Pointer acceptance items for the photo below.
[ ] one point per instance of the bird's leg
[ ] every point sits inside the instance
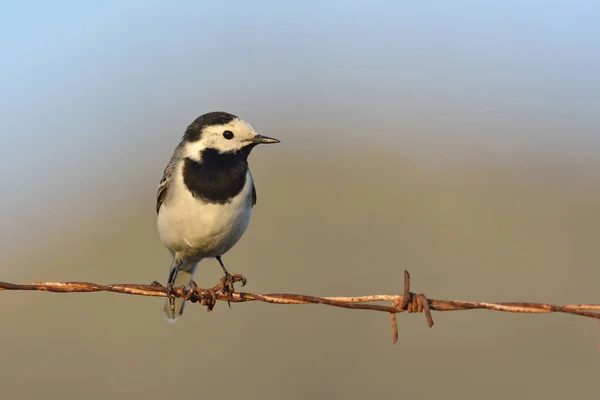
(227, 280)
(171, 281)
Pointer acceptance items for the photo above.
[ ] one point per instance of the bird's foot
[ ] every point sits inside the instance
(171, 298)
(240, 278)
(227, 283)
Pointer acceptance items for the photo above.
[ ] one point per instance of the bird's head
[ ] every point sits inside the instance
(223, 132)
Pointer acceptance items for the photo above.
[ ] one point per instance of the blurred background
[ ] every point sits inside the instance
(458, 140)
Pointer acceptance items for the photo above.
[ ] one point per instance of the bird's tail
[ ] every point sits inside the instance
(183, 277)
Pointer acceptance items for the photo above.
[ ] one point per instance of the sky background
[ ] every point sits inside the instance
(459, 138)
(92, 83)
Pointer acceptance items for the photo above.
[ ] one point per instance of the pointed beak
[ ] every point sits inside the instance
(259, 139)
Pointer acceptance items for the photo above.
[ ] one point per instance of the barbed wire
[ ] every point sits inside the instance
(408, 301)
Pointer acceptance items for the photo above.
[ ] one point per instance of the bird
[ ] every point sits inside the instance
(205, 197)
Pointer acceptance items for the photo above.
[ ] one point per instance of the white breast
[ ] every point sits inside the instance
(197, 229)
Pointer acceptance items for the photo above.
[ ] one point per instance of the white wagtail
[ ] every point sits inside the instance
(206, 195)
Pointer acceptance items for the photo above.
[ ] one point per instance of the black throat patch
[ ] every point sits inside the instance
(218, 178)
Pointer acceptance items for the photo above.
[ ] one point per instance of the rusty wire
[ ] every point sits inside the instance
(408, 301)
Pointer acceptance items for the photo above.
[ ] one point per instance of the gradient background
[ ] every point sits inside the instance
(459, 140)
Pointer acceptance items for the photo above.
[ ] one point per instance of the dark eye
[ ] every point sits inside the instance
(228, 135)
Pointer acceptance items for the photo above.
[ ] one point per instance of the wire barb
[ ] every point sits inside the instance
(411, 303)
(408, 301)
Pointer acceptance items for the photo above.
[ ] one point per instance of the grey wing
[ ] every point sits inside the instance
(163, 187)
(253, 194)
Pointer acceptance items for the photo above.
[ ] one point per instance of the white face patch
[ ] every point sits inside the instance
(213, 138)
